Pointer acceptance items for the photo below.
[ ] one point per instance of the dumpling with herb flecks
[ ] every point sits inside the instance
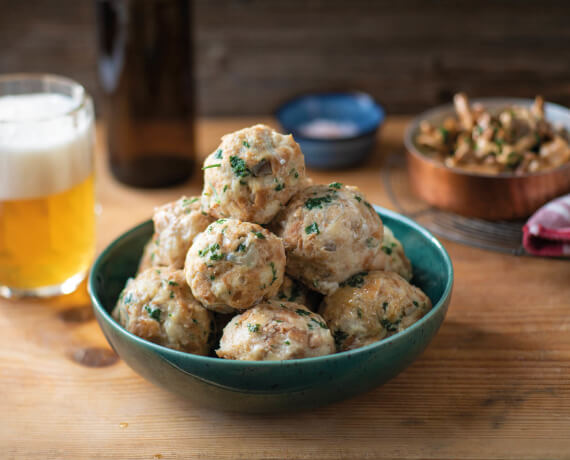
(158, 306)
(330, 232)
(276, 331)
(370, 306)
(234, 265)
(252, 174)
(176, 224)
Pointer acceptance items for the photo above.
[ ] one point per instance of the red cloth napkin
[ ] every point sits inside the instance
(547, 232)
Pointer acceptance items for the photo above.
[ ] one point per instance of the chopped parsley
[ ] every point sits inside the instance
(218, 154)
(279, 187)
(240, 248)
(355, 280)
(415, 303)
(358, 198)
(444, 134)
(212, 250)
(295, 292)
(246, 144)
(215, 165)
(371, 242)
(302, 312)
(172, 283)
(389, 325)
(320, 323)
(215, 193)
(339, 337)
(260, 235)
(384, 306)
(187, 202)
(172, 294)
(318, 202)
(128, 298)
(335, 185)
(253, 327)
(212, 277)
(221, 221)
(294, 173)
(273, 272)
(154, 313)
(387, 250)
(313, 228)
(225, 188)
(239, 167)
(287, 342)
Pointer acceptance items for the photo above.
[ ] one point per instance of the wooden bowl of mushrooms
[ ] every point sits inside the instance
(494, 159)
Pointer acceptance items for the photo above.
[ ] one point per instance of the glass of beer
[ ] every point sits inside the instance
(47, 215)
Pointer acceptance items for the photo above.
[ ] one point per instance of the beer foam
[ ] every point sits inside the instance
(44, 149)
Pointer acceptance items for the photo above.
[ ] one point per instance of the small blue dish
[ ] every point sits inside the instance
(334, 130)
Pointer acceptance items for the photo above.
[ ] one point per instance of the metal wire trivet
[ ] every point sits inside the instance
(500, 236)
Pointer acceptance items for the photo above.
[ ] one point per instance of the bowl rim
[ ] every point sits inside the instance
(171, 353)
(412, 149)
(323, 94)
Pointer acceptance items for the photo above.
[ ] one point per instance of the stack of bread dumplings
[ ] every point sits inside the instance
(265, 265)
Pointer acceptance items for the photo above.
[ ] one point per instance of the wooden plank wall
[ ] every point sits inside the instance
(253, 54)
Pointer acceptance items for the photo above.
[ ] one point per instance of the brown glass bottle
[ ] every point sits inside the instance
(145, 67)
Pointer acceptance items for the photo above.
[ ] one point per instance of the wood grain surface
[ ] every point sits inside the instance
(253, 54)
(494, 383)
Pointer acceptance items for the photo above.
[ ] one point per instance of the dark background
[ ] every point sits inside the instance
(254, 54)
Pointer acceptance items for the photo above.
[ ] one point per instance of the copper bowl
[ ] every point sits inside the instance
(486, 196)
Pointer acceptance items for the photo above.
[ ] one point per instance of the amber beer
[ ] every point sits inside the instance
(47, 228)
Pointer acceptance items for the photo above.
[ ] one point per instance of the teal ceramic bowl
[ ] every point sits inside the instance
(273, 386)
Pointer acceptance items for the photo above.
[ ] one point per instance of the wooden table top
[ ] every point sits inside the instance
(494, 383)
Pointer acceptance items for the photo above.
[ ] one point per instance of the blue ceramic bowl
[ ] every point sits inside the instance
(273, 386)
(357, 109)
